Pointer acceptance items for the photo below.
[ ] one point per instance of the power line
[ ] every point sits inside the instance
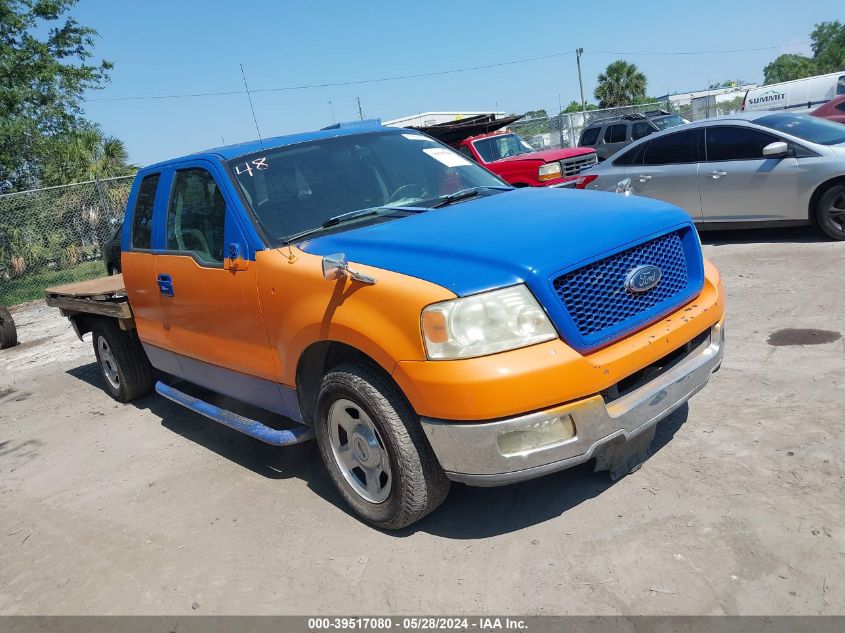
(335, 84)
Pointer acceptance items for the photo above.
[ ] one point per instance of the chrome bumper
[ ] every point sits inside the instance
(470, 453)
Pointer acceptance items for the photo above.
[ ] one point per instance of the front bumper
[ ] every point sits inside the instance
(470, 452)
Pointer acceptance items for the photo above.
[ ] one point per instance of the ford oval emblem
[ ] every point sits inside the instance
(643, 278)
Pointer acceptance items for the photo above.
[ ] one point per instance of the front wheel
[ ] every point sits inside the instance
(830, 212)
(375, 450)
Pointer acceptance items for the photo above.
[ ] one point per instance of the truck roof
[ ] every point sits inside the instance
(227, 152)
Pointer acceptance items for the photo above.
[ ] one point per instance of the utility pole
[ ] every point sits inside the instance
(360, 111)
(578, 53)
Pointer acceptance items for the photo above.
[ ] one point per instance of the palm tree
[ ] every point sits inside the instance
(621, 84)
(85, 154)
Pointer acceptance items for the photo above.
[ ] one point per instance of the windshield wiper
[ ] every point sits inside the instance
(464, 194)
(350, 216)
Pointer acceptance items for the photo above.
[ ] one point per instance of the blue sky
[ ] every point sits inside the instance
(188, 46)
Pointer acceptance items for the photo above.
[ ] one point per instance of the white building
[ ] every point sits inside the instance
(433, 118)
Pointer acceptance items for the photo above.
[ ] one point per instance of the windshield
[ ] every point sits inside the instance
(295, 189)
(805, 127)
(665, 122)
(501, 146)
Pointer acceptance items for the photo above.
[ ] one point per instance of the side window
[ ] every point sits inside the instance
(736, 143)
(590, 136)
(142, 216)
(840, 86)
(841, 106)
(640, 130)
(674, 148)
(615, 133)
(631, 157)
(196, 215)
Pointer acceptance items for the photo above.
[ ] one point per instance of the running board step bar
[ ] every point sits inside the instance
(250, 427)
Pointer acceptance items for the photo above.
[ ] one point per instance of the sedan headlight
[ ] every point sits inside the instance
(549, 171)
(483, 324)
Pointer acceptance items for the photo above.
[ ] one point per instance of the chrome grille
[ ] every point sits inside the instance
(575, 165)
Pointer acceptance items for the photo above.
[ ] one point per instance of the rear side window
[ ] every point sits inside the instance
(736, 143)
(674, 148)
(142, 216)
(841, 106)
(631, 157)
(840, 86)
(615, 133)
(590, 136)
(641, 129)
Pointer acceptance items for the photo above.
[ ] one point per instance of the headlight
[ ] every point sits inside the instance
(484, 324)
(549, 171)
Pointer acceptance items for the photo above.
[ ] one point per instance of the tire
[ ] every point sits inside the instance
(124, 366)
(8, 331)
(830, 212)
(414, 485)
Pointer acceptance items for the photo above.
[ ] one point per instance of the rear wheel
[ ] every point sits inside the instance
(830, 212)
(375, 450)
(8, 331)
(124, 365)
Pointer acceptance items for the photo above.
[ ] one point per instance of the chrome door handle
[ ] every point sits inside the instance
(644, 178)
(719, 173)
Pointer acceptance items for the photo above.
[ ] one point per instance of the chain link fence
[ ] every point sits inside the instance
(56, 235)
(564, 130)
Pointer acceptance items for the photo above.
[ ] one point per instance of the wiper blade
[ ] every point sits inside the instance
(464, 194)
(349, 216)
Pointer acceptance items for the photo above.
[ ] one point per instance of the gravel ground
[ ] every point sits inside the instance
(147, 508)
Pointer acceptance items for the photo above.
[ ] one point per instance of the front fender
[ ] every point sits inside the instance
(300, 308)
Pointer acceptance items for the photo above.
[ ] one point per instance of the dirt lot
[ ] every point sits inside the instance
(147, 508)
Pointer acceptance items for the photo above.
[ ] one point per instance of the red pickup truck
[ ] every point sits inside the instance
(507, 155)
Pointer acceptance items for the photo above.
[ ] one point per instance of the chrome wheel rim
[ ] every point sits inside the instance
(836, 212)
(359, 451)
(108, 363)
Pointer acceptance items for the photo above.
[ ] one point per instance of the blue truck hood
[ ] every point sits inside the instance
(525, 235)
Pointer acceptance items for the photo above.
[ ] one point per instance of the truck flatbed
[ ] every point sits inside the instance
(104, 296)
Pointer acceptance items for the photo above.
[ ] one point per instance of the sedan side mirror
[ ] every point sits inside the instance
(778, 149)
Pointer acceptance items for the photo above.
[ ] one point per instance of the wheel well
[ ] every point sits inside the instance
(317, 360)
(819, 192)
(520, 185)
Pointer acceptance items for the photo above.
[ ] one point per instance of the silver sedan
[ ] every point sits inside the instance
(749, 169)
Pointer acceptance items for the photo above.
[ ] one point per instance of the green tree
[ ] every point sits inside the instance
(828, 43)
(536, 114)
(84, 154)
(44, 57)
(789, 66)
(575, 106)
(620, 84)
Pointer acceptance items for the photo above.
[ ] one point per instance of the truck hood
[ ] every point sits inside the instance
(548, 155)
(524, 235)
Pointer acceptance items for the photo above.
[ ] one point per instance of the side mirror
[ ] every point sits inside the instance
(335, 266)
(624, 187)
(778, 149)
(236, 259)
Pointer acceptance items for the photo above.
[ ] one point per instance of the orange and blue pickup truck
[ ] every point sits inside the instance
(425, 321)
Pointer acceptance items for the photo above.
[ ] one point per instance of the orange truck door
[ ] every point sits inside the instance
(208, 289)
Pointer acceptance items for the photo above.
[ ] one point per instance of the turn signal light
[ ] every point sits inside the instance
(583, 181)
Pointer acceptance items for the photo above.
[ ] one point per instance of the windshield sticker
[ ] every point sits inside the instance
(416, 137)
(258, 164)
(447, 157)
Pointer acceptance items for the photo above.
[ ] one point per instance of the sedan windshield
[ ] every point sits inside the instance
(805, 127)
(501, 146)
(321, 185)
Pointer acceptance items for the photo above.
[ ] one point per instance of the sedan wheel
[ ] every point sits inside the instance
(830, 212)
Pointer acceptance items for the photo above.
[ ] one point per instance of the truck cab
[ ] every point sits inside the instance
(509, 156)
(379, 291)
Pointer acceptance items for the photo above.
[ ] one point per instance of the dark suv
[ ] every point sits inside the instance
(610, 135)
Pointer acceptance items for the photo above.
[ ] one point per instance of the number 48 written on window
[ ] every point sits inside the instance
(258, 164)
